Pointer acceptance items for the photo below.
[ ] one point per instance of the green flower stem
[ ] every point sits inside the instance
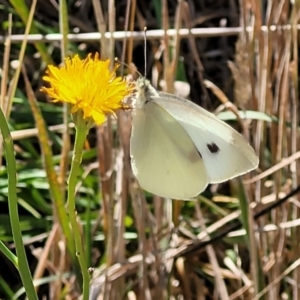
(22, 263)
(81, 133)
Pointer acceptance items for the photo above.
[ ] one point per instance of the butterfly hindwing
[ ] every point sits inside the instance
(164, 158)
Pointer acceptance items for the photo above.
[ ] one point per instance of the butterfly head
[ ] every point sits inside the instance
(145, 91)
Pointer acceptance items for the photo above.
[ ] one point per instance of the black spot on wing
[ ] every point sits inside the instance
(213, 148)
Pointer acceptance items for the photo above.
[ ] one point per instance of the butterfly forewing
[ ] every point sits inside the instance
(226, 154)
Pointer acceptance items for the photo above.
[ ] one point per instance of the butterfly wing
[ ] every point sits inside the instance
(163, 157)
(226, 154)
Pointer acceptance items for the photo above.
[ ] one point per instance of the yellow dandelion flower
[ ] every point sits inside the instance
(88, 85)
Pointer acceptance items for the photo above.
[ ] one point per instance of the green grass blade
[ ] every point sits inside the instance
(23, 266)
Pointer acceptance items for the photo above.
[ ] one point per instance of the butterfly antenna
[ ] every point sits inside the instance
(145, 49)
(130, 67)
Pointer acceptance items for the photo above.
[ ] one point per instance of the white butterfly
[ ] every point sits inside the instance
(177, 148)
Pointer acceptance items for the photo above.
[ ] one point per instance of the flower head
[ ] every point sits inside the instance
(88, 85)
